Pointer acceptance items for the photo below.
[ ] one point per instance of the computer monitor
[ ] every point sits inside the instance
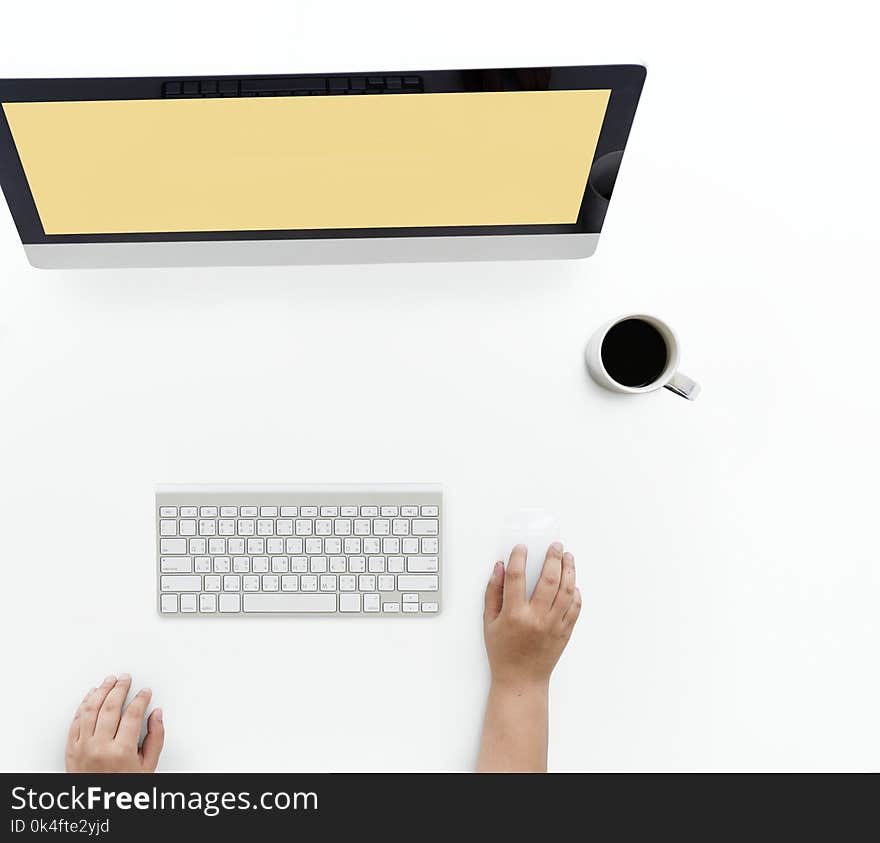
(324, 168)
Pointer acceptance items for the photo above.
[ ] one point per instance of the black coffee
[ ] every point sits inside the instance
(634, 353)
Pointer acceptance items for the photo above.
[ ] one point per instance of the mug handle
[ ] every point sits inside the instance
(682, 385)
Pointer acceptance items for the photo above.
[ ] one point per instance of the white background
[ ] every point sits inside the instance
(727, 549)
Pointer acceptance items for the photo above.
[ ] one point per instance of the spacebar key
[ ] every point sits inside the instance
(289, 603)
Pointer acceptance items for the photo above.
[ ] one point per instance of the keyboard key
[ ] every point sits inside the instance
(429, 607)
(198, 546)
(216, 546)
(327, 582)
(232, 582)
(430, 545)
(329, 511)
(260, 564)
(318, 564)
(207, 602)
(409, 545)
(188, 602)
(348, 511)
(389, 511)
(268, 512)
(189, 512)
(250, 583)
(289, 511)
(246, 526)
(395, 565)
(314, 546)
(289, 603)
(422, 564)
(381, 527)
(167, 528)
(176, 565)
(168, 511)
(171, 583)
(293, 546)
(299, 564)
(409, 511)
(241, 564)
(265, 527)
(256, 545)
(400, 527)
(308, 511)
(303, 527)
(279, 564)
(187, 527)
(221, 565)
(202, 564)
(212, 582)
(337, 564)
(371, 546)
(229, 512)
(361, 527)
(168, 603)
(284, 527)
(411, 607)
(406, 582)
(347, 582)
(391, 607)
(290, 582)
(230, 603)
(323, 527)
(274, 546)
(410, 598)
(333, 545)
(270, 582)
(235, 546)
(172, 546)
(207, 528)
(342, 526)
(349, 602)
(369, 511)
(357, 564)
(351, 546)
(366, 582)
(371, 602)
(391, 545)
(208, 511)
(249, 512)
(386, 582)
(308, 583)
(226, 527)
(430, 511)
(376, 564)
(425, 526)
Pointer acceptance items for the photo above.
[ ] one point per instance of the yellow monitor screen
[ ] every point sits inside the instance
(276, 163)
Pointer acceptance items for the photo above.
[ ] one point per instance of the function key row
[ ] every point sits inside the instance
(297, 511)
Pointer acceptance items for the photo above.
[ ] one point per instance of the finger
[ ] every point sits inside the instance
(566, 587)
(91, 705)
(494, 593)
(551, 574)
(515, 578)
(130, 724)
(573, 611)
(73, 731)
(153, 742)
(108, 717)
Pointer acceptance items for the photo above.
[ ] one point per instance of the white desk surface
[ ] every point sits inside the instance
(727, 549)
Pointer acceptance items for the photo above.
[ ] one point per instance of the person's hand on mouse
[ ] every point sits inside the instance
(525, 636)
(103, 736)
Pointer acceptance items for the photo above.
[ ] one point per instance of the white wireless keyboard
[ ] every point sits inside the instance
(298, 550)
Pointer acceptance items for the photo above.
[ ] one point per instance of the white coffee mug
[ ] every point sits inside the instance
(670, 377)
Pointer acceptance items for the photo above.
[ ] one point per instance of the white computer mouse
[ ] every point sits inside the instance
(537, 529)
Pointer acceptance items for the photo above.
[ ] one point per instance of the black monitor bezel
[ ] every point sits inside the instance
(624, 81)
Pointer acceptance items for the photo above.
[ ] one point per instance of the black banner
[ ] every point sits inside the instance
(398, 806)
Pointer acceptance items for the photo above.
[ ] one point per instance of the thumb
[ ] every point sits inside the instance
(494, 593)
(152, 745)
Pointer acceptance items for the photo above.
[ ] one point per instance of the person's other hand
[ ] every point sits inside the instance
(103, 738)
(526, 636)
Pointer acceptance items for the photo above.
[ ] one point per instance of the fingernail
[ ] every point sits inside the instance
(124, 677)
(109, 679)
(145, 691)
(497, 570)
(557, 546)
(159, 714)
